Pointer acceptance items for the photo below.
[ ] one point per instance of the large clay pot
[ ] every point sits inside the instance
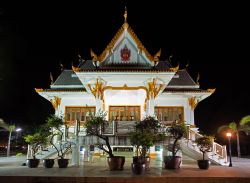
(143, 160)
(63, 163)
(203, 164)
(138, 168)
(172, 162)
(33, 163)
(116, 162)
(48, 163)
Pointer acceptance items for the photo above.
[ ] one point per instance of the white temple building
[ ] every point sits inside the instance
(129, 83)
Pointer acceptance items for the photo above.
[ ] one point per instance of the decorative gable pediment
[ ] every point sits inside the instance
(125, 49)
(126, 52)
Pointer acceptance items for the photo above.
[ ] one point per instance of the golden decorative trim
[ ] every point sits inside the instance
(62, 90)
(76, 69)
(51, 78)
(193, 102)
(119, 33)
(211, 90)
(197, 79)
(153, 90)
(93, 55)
(185, 91)
(125, 15)
(103, 104)
(111, 44)
(55, 102)
(157, 55)
(145, 104)
(97, 91)
(174, 69)
(139, 44)
(39, 90)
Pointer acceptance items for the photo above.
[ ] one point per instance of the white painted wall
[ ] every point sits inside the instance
(78, 100)
(125, 97)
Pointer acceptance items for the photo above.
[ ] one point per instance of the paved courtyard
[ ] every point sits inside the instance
(97, 171)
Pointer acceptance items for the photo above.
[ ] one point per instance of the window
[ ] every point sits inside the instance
(124, 113)
(169, 114)
(77, 113)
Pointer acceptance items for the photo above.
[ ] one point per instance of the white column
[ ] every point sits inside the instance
(75, 153)
(64, 132)
(151, 107)
(98, 107)
(191, 117)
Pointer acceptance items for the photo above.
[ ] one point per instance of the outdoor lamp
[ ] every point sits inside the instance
(228, 134)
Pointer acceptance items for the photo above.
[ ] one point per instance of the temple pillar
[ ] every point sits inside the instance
(98, 106)
(193, 102)
(75, 148)
(75, 153)
(151, 107)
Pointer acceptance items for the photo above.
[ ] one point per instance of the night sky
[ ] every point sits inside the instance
(213, 38)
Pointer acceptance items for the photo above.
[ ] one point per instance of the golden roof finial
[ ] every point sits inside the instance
(125, 15)
(125, 25)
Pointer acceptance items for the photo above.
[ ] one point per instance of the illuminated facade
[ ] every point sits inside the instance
(129, 83)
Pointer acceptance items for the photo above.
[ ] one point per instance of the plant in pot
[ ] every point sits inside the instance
(45, 130)
(146, 134)
(54, 123)
(175, 132)
(35, 141)
(205, 145)
(94, 126)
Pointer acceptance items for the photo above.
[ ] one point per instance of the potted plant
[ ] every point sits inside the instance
(54, 123)
(205, 145)
(45, 130)
(35, 141)
(94, 126)
(175, 132)
(146, 134)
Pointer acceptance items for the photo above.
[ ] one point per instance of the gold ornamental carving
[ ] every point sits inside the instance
(211, 90)
(76, 69)
(39, 90)
(97, 90)
(55, 102)
(157, 55)
(153, 89)
(193, 102)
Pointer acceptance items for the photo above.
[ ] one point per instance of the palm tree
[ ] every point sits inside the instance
(9, 128)
(242, 126)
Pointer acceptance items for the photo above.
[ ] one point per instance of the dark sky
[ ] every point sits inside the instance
(212, 37)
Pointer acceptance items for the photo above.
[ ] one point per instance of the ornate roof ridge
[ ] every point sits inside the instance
(110, 46)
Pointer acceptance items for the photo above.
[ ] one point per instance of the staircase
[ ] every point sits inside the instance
(218, 155)
(49, 151)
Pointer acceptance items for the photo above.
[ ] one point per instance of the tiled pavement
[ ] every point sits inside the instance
(97, 171)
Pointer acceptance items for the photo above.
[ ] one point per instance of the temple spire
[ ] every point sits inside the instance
(125, 15)
(125, 25)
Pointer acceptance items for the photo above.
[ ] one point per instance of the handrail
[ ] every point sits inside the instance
(217, 149)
